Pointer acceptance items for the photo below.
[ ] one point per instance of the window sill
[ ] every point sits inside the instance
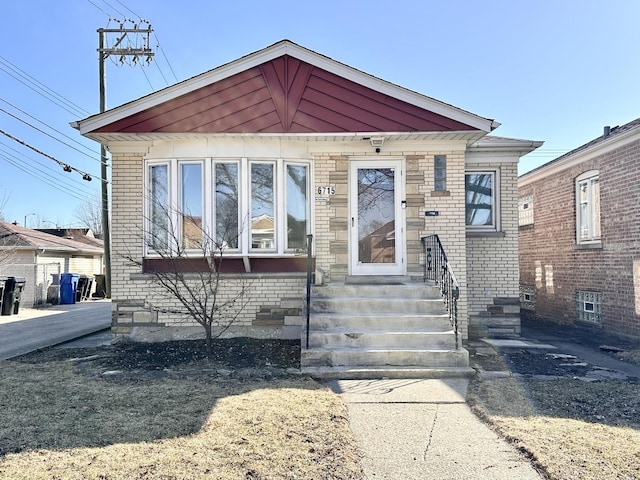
(440, 193)
(474, 234)
(588, 246)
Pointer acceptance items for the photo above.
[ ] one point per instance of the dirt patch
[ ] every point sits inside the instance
(227, 357)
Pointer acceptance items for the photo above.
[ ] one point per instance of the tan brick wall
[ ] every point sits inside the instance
(480, 264)
(449, 224)
(492, 261)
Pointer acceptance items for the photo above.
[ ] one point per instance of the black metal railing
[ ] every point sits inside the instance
(436, 268)
(309, 278)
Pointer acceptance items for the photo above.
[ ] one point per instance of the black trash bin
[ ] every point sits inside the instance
(11, 296)
(83, 280)
(101, 286)
(3, 281)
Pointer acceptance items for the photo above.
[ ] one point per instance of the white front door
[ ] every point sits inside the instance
(376, 217)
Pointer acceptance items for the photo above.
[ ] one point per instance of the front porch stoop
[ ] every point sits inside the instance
(382, 328)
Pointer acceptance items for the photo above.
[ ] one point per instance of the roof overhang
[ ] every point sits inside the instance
(571, 160)
(277, 50)
(503, 146)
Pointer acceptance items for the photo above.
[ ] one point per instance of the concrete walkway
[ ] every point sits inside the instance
(423, 429)
(32, 329)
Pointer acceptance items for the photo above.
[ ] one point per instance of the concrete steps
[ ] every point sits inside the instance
(378, 327)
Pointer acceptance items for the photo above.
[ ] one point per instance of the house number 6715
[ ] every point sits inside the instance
(327, 190)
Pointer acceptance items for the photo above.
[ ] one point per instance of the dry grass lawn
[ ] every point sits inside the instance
(571, 429)
(56, 423)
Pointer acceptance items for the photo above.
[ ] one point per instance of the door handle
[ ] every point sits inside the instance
(353, 222)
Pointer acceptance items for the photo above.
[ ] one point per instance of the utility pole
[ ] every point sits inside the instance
(104, 52)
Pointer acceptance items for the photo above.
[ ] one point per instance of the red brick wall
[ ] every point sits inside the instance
(550, 242)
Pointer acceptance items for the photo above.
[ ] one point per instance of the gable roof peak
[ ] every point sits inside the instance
(271, 55)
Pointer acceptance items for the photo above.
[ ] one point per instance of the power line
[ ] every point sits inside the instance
(158, 47)
(45, 169)
(98, 8)
(48, 134)
(65, 166)
(36, 85)
(69, 191)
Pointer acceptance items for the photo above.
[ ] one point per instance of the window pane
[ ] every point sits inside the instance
(296, 206)
(191, 207)
(479, 199)
(262, 206)
(440, 172)
(159, 207)
(227, 195)
(595, 208)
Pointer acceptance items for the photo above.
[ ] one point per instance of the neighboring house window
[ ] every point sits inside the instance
(589, 306)
(440, 173)
(253, 206)
(525, 210)
(481, 201)
(588, 207)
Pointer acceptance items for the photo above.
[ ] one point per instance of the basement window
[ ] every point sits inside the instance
(589, 307)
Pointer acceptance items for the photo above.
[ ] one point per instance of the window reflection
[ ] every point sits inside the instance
(262, 206)
(227, 231)
(479, 199)
(376, 215)
(159, 211)
(296, 206)
(191, 208)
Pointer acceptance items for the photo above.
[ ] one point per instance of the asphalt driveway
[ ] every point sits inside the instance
(32, 329)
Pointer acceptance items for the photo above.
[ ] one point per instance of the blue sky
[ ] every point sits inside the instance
(556, 71)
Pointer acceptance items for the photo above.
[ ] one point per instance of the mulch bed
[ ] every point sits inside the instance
(233, 353)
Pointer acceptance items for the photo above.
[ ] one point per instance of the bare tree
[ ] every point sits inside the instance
(186, 269)
(4, 199)
(89, 215)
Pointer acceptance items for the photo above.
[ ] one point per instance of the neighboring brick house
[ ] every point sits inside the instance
(321, 133)
(580, 234)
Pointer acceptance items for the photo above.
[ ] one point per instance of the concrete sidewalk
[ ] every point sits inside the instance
(423, 429)
(32, 329)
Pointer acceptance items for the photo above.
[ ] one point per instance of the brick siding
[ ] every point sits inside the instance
(550, 260)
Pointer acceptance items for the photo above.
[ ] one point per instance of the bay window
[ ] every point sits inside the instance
(243, 206)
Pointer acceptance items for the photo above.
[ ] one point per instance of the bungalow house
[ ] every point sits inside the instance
(286, 143)
(41, 257)
(580, 234)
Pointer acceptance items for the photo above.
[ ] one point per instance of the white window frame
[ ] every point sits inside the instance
(593, 234)
(180, 208)
(244, 203)
(495, 213)
(147, 213)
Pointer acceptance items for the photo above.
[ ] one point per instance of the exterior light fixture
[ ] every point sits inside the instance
(377, 142)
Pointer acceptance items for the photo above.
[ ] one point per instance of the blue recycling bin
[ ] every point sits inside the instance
(68, 288)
